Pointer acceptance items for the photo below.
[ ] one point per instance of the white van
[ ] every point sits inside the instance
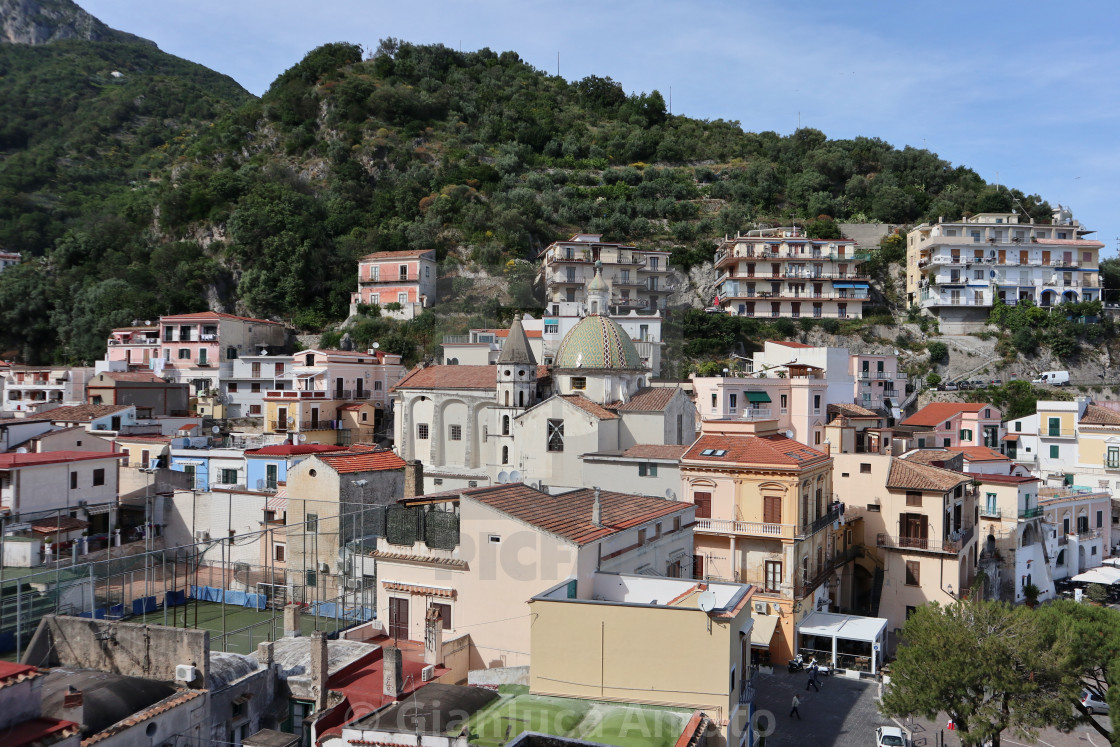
(1053, 378)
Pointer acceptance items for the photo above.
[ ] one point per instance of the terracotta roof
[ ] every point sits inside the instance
(11, 673)
(132, 376)
(936, 413)
(359, 459)
(354, 405)
(773, 450)
(850, 410)
(589, 407)
(649, 399)
(430, 591)
(83, 413)
(212, 316)
(568, 515)
(60, 524)
(11, 461)
(41, 730)
(400, 255)
(294, 449)
(984, 477)
(656, 451)
(1010, 437)
(145, 438)
(161, 707)
(929, 456)
(906, 474)
(979, 454)
(426, 559)
(449, 377)
(1098, 415)
(789, 344)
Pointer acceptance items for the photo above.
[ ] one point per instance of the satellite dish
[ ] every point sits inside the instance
(670, 494)
(376, 345)
(503, 477)
(302, 437)
(291, 420)
(515, 476)
(21, 450)
(215, 430)
(706, 601)
(264, 353)
(789, 433)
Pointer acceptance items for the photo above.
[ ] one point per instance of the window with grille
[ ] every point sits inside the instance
(455, 432)
(555, 435)
(579, 382)
(422, 431)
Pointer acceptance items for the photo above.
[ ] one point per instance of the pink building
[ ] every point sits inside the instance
(397, 279)
(198, 348)
(135, 347)
(957, 424)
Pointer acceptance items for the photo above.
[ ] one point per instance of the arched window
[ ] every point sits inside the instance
(507, 398)
(521, 399)
(505, 455)
(505, 425)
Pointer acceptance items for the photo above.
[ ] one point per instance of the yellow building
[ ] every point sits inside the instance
(766, 515)
(701, 633)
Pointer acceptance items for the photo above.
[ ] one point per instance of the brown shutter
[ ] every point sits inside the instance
(703, 503)
(771, 509)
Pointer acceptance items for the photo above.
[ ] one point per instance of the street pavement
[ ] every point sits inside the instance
(845, 712)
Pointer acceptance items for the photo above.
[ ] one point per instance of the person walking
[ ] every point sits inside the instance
(793, 711)
(814, 678)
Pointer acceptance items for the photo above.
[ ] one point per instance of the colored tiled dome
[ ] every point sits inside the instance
(598, 342)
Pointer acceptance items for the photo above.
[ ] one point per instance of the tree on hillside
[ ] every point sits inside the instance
(983, 664)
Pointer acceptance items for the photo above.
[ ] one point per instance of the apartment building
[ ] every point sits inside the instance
(636, 279)
(764, 512)
(251, 378)
(402, 284)
(130, 348)
(36, 389)
(780, 272)
(198, 349)
(9, 259)
(1069, 443)
(955, 270)
(1013, 538)
(150, 394)
(33, 486)
(946, 424)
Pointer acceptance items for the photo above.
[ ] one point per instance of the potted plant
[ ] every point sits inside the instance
(1030, 592)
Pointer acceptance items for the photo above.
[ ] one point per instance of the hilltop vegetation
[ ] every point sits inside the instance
(266, 210)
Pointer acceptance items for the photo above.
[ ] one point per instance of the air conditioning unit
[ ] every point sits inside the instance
(427, 673)
(324, 568)
(761, 607)
(201, 536)
(82, 503)
(186, 673)
(354, 584)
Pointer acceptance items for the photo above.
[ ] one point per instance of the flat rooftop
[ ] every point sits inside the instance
(654, 591)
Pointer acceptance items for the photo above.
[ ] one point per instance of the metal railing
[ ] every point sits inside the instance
(991, 512)
(806, 585)
(1030, 513)
(903, 542)
(808, 530)
(755, 413)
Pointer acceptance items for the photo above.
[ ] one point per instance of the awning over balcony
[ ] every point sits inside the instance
(1010, 437)
(763, 630)
(866, 632)
(845, 284)
(753, 397)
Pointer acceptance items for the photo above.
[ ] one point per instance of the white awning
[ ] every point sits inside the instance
(763, 630)
(846, 627)
(1106, 575)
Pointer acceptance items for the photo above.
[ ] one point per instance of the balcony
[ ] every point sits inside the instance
(745, 528)
(756, 413)
(1111, 463)
(1030, 513)
(951, 546)
(808, 530)
(296, 394)
(991, 512)
(803, 588)
(278, 426)
(208, 337)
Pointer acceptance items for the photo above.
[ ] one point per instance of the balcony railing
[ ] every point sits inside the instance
(756, 413)
(805, 587)
(296, 394)
(991, 512)
(951, 546)
(1111, 463)
(808, 530)
(1030, 513)
(745, 528)
(279, 426)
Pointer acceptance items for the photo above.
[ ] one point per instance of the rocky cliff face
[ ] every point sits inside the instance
(45, 21)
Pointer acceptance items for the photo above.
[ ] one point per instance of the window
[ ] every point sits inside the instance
(422, 431)
(733, 401)
(254, 409)
(311, 579)
(552, 328)
(966, 434)
(255, 387)
(641, 537)
(229, 477)
(427, 271)
(579, 382)
(184, 354)
(505, 455)
(1054, 451)
(73, 480)
(647, 470)
(772, 509)
(1054, 426)
(312, 523)
(278, 553)
(864, 468)
(1100, 519)
(913, 573)
(946, 442)
(455, 432)
(99, 476)
(816, 404)
(555, 435)
(402, 298)
(232, 387)
(703, 503)
(505, 425)
(444, 613)
(278, 370)
(773, 575)
(987, 413)
(913, 498)
(1018, 427)
(403, 270)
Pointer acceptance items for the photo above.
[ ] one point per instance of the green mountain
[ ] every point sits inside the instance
(139, 199)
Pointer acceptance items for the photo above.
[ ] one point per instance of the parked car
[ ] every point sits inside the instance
(890, 736)
(996, 382)
(949, 387)
(1092, 705)
(977, 384)
(1053, 378)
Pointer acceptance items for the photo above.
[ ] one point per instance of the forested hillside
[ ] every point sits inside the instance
(135, 206)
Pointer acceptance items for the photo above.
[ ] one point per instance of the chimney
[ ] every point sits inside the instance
(266, 654)
(433, 636)
(394, 683)
(597, 509)
(827, 447)
(291, 621)
(413, 479)
(72, 708)
(319, 670)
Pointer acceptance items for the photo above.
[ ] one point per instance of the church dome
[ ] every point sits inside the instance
(597, 342)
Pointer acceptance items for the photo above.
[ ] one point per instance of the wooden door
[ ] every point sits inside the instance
(1045, 258)
(398, 618)
(1023, 255)
(698, 567)
(1003, 256)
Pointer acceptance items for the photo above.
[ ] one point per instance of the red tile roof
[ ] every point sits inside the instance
(143, 438)
(531, 333)
(979, 454)
(936, 413)
(983, 477)
(400, 255)
(53, 524)
(132, 376)
(773, 450)
(12, 461)
(210, 316)
(162, 706)
(649, 399)
(11, 673)
(656, 451)
(906, 474)
(589, 407)
(293, 449)
(41, 730)
(449, 377)
(82, 413)
(568, 515)
(849, 410)
(1098, 415)
(363, 459)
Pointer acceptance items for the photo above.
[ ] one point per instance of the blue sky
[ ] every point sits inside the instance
(1023, 92)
